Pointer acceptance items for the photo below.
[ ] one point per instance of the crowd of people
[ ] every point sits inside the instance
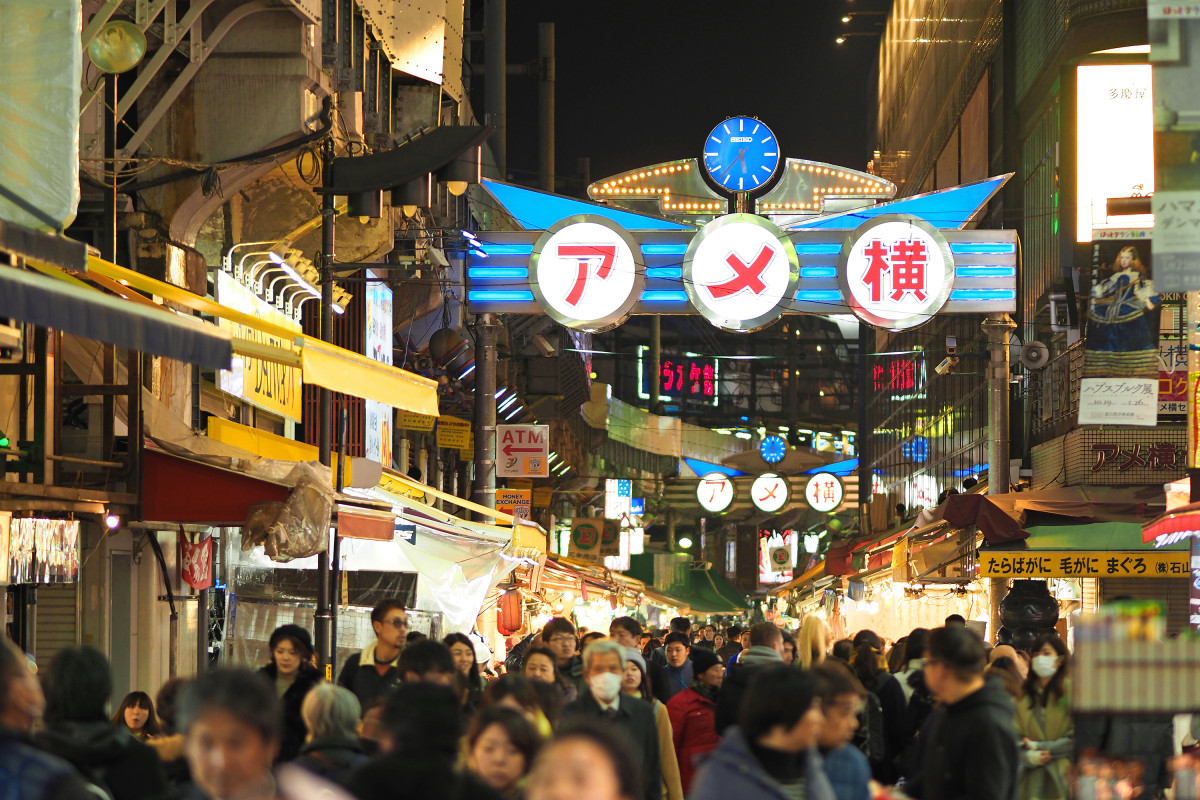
(623, 714)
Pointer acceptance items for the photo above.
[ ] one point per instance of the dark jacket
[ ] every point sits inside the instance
(636, 718)
(294, 730)
(894, 705)
(108, 756)
(27, 773)
(971, 752)
(729, 651)
(693, 724)
(666, 681)
(731, 772)
(729, 705)
(1148, 739)
(360, 676)
(848, 772)
(416, 776)
(332, 758)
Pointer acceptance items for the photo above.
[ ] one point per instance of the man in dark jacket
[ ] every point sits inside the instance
(771, 754)
(79, 730)
(972, 749)
(375, 670)
(603, 666)
(677, 674)
(765, 649)
(658, 658)
(25, 771)
(423, 724)
(733, 644)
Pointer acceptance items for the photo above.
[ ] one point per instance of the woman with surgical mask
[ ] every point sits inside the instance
(1044, 722)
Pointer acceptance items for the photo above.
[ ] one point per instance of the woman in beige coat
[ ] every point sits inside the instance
(1044, 723)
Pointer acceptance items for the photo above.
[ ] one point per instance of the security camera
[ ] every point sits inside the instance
(544, 347)
(948, 363)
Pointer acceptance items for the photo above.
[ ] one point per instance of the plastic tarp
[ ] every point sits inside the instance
(41, 62)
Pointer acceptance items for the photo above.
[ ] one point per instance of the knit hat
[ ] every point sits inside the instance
(631, 654)
(703, 659)
(297, 634)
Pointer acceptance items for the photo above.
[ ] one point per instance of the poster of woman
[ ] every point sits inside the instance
(1122, 318)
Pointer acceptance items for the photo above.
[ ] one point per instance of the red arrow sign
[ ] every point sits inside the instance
(508, 450)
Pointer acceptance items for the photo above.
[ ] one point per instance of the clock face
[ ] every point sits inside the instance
(741, 155)
(772, 449)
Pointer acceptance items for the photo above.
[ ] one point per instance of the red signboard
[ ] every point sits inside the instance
(197, 563)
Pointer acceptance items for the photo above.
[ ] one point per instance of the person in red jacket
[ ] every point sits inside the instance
(693, 713)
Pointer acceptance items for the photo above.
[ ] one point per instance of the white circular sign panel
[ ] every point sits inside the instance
(587, 273)
(824, 492)
(769, 492)
(896, 271)
(715, 492)
(740, 272)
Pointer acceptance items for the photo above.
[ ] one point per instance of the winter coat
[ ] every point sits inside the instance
(672, 784)
(415, 776)
(731, 772)
(694, 729)
(729, 704)
(1056, 734)
(27, 773)
(636, 718)
(971, 752)
(294, 731)
(106, 755)
(360, 676)
(911, 667)
(1147, 738)
(332, 758)
(920, 705)
(666, 681)
(849, 772)
(895, 725)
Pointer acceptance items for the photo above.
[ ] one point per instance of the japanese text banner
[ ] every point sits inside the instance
(1075, 564)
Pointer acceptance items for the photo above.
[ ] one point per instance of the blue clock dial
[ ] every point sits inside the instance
(772, 449)
(741, 155)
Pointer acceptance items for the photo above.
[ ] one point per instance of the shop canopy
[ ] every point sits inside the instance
(706, 592)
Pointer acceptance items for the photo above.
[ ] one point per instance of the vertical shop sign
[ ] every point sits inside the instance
(1121, 355)
(197, 562)
(378, 341)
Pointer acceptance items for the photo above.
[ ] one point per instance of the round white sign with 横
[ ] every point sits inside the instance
(740, 272)
(896, 271)
(824, 492)
(769, 492)
(587, 273)
(715, 492)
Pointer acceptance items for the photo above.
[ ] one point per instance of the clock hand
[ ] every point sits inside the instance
(742, 156)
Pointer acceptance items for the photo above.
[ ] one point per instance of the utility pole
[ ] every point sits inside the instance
(495, 79)
(866, 336)
(323, 618)
(655, 361)
(999, 328)
(487, 328)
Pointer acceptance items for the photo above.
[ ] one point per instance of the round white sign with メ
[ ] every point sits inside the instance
(769, 492)
(715, 492)
(587, 273)
(741, 272)
(896, 271)
(824, 492)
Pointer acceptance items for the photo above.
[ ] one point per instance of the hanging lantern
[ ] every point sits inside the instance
(510, 612)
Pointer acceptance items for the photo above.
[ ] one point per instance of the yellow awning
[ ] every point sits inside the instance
(808, 577)
(323, 364)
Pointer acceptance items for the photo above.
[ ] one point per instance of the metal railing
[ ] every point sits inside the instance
(1054, 395)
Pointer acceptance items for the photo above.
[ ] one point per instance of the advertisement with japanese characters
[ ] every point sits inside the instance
(776, 555)
(378, 342)
(1121, 355)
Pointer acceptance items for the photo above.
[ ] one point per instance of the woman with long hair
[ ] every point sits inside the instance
(1122, 337)
(1045, 723)
(136, 714)
(811, 644)
(636, 682)
(292, 672)
(462, 650)
(870, 668)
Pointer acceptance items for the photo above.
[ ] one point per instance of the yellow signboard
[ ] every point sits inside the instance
(408, 421)
(542, 496)
(1074, 564)
(273, 387)
(515, 502)
(453, 432)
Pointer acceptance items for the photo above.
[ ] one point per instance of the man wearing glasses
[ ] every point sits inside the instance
(559, 635)
(375, 670)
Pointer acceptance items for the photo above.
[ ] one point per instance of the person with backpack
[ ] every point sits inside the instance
(870, 669)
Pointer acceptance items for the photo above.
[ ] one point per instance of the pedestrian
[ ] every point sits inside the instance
(626, 631)
(501, 746)
(843, 649)
(79, 730)
(718, 643)
(169, 743)
(1004, 670)
(136, 715)
(871, 670)
(693, 715)
(896, 656)
(744, 644)
(842, 695)
(811, 645)
(956, 620)
(636, 683)
(914, 659)
(375, 670)
(603, 671)
(681, 625)
(971, 748)
(27, 772)
(653, 645)
(676, 674)
(232, 720)
(1019, 661)
(732, 645)
(422, 732)
(462, 650)
(521, 695)
(428, 661)
(588, 759)
(331, 749)
(589, 637)
(764, 643)
(541, 666)
(771, 753)
(789, 649)
(559, 636)
(708, 636)
(1045, 723)
(293, 672)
